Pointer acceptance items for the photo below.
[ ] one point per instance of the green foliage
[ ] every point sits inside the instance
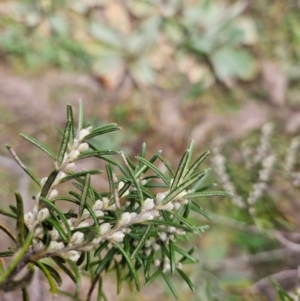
(202, 40)
(134, 228)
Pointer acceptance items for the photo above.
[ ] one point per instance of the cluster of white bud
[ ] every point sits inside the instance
(264, 146)
(261, 185)
(34, 218)
(219, 165)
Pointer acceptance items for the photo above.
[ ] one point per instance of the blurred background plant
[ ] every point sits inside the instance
(219, 72)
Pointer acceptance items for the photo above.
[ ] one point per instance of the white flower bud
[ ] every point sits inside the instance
(35, 210)
(83, 133)
(29, 218)
(168, 206)
(157, 262)
(65, 158)
(77, 238)
(147, 252)
(172, 237)
(112, 207)
(104, 228)
(61, 175)
(99, 213)
(83, 225)
(73, 255)
(178, 265)
(85, 214)
(155, 247)
(43, 214)
(126, 230)
(39, 245)
(74, 145)
(148, 204)
(162, 236)
(127, 217)
(146, 216)
(74, 155)
(176, 205)
(167, 267)
(43, 181)
(171, 229)
(96, 241)
(148, 243)
(53, 194)
(98, 205)
(54, 234)
(37, 197)
(54, 246)
(39, 232)
(117, 236)
(70, 167)
(87, 248)
(160, 197)
(83, 147)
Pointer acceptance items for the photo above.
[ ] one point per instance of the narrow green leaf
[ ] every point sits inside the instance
(130, 265)
(181, 168)
(40, 145)
(167, 165)
(134, 180)
(6, 213)
(149, 264)
(59, 229)
(61, 263)
(20, 220)
(167, 223)
(170, 285)
(77, 276)
(199, 210)
(80, 115)
(25, 294)
(8, 232)
(154, 276)
(84, 194)
(144, 167)
(187, 209)
(106, 260)
(49, 182)
(64, 143)
(17, 159)
(81, 258)
(141, 241)
(190, 149)
(143, 150)
(111, 182)
(186, 255)
(119, 276)
(184, 221)
(6, 254)
(155, 169)
(208, 193)
(71, 118)
(52, 207)
(196, 164)
(101, 248)
(172, 195)
(172, 256)
(98, 154)
(186, 279)
(102, 130)
(88, 261)
(48, 276)
(56, 276)
(81, 174)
